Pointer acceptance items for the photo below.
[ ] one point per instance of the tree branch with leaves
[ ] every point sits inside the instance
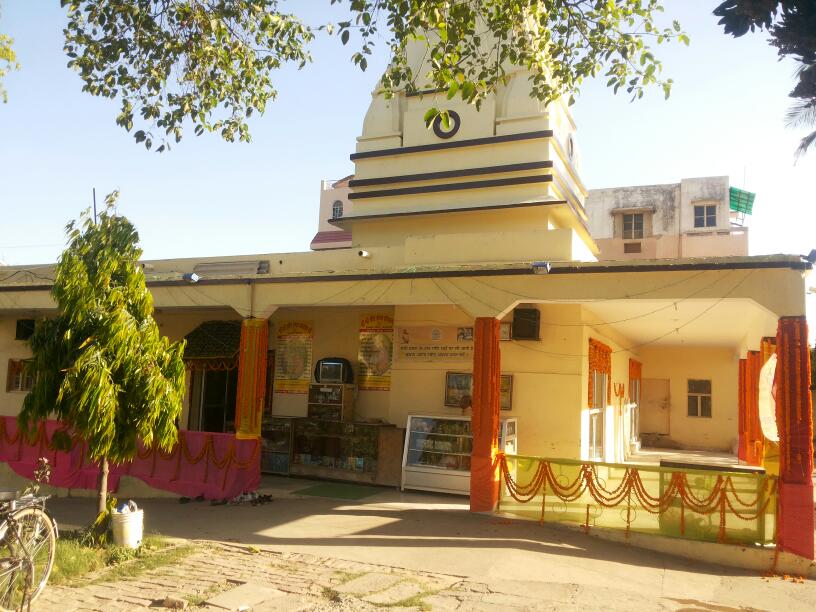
(209, 63)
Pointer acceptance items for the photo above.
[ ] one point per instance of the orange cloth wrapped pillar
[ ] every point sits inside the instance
(742, 420)
(795, 424)
(251, 378)
(754, 438)
(484, 483)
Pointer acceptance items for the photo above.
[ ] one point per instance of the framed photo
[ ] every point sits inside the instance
(464, 334)
(506, 392)
(504, 331)
(458, 389)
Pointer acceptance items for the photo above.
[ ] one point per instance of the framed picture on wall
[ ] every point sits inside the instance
(506, 392)
(504, 331)
(458, 389)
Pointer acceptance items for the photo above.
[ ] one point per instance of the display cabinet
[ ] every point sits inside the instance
(331, 402)
(331, 449)
(276, 444)
(438, 450)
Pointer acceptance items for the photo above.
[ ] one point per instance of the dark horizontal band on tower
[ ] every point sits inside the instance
(430, 176)
(473, 142)
(504, 182)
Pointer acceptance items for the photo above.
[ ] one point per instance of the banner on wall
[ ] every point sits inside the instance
(293, 357)
(376, 352)
(428, 343)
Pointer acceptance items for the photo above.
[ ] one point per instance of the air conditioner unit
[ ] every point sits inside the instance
(526, 324)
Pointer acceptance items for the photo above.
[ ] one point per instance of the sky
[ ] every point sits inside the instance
(207, 197)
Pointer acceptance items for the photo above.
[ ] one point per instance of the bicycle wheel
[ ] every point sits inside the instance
(28, 544)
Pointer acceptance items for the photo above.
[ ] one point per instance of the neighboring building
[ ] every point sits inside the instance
(334, 204)
(697, 217)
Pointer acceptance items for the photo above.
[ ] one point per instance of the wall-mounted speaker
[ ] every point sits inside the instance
(526, 324)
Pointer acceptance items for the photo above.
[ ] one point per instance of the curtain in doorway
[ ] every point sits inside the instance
(600, 360)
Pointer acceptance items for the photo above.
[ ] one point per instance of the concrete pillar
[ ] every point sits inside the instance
(795, 423)
(484, 485)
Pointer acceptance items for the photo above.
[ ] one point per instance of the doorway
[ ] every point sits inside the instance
(655, 409)
(212, 401)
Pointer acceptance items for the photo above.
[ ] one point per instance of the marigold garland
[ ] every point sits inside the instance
(722, 498)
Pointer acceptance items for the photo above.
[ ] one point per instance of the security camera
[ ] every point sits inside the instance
(364, 254)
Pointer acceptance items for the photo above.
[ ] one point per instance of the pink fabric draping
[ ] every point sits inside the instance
(214, 465)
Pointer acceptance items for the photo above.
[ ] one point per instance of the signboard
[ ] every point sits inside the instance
(293, 357)
(426, 343)
(375, 354)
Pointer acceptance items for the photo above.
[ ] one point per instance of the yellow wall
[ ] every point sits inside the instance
(336, 334)
(678, 364)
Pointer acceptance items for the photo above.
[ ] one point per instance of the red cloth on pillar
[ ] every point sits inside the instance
(249, 403)
(484, 484)
(755, 440)
(742, 420)
(795, 424)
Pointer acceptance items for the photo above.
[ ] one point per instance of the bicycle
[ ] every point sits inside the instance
(28, 541)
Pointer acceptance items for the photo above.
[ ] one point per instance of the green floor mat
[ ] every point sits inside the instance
(338, 491)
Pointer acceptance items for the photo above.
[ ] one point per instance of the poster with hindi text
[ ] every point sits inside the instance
(376, 352)
(429, 343)
(293, 357)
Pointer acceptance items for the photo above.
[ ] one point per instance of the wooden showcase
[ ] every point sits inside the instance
(331, 401)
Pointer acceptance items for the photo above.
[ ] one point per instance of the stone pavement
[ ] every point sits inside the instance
(211, 578)
(494, 563)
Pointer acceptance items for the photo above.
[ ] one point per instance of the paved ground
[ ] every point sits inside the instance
(441, 555)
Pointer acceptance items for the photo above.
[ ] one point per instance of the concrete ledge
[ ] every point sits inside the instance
(743, 557)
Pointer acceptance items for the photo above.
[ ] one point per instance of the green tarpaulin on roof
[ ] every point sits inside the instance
(741, 201)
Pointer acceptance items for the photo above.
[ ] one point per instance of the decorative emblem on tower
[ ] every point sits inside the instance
(453, 125)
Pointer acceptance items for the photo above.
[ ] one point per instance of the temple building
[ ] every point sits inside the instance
(466, 296)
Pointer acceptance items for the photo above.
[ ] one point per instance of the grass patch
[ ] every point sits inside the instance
(331, 595)
(198, 599)
(74, 560)
(345, 577)
(417, 601)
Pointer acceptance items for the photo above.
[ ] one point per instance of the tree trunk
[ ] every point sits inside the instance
(103, 485)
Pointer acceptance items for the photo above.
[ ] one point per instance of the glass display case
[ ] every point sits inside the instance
(276, 444)
(350, 447)
(438, 451)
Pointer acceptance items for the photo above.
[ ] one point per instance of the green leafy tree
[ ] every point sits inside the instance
(102, 367)
(8, 62)
(791, 25)
(208, 64)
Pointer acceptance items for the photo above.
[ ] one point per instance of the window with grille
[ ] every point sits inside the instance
(337, 209)
(633, 226)
(19, 376)
(705, 216)
(699, 398)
